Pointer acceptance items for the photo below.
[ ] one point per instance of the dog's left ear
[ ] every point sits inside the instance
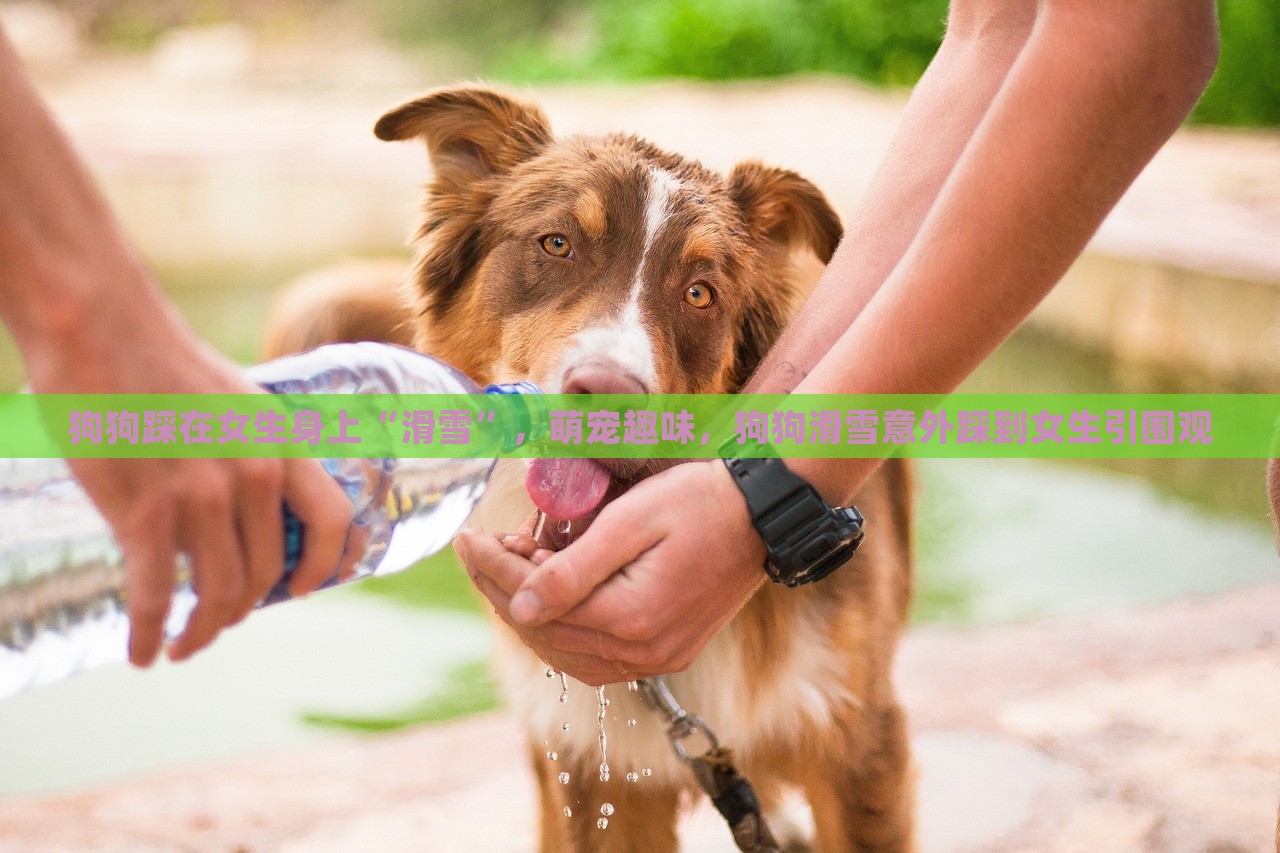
(471, 132)
(785, 209)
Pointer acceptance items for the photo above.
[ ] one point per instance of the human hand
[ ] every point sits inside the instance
(224, 513)
(655, 576)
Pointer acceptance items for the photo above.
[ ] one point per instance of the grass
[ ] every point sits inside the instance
(438, 582)
(469, 689)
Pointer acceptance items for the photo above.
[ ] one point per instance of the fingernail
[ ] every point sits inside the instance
(460, 544)
(525, 607)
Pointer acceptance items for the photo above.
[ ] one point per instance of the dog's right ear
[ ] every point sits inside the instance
(470, 132)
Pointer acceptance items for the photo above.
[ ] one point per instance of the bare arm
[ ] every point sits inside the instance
(1098, 89)
(982, 42)
(1014, 148)
(88, 318)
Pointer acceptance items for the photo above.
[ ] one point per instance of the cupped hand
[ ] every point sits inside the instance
(225, 514)
(659, 572)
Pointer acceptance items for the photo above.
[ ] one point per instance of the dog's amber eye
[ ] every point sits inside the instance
(699, 295)
(557, 246)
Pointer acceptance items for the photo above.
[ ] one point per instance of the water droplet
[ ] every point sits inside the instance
(608, 702)
(565, 527)
(552, 754)
(603, 823)
(604, 772)
(631, 722)
(633, 776)
(633, 686)
(551, 673)
(606, 809)
(645, 771)
(563, 777)
(564, 697)
(565, 727)
(568, 812)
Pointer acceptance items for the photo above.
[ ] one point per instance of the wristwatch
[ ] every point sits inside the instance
(806, 538)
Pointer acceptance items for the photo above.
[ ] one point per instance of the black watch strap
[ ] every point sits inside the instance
(806, 538)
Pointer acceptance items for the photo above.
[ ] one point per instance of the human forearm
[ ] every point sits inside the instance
(1095, 93)
(64, 265)
(89, 319)
(982, 42)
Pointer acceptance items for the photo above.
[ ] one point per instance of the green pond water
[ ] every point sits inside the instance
(998, 541)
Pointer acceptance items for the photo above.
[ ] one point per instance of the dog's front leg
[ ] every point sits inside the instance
(866, 804)
(642, 818)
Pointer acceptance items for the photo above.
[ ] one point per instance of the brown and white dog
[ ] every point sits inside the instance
(606, 265)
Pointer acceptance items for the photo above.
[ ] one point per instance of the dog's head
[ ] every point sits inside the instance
(599, 264)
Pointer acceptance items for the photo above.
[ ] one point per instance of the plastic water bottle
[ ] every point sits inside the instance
(62, 591)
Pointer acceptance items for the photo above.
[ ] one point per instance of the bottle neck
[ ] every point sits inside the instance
(525, 416)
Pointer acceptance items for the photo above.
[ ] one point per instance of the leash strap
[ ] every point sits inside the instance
(734, 798)
(714, 771)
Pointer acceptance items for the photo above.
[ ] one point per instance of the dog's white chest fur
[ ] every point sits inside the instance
(809, 684)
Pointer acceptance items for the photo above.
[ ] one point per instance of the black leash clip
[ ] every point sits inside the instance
(681, 725)
(713, 770)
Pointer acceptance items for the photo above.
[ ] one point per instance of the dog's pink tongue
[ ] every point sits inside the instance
(567, 489)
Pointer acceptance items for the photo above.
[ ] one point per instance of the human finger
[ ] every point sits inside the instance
(569, 576)
(326, 515)
(261, 532)
(218, 574)
(149, 572)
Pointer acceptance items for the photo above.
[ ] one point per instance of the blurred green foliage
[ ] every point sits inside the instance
(1245, 90)
(879, 41)
(885, 42)
(882, 41)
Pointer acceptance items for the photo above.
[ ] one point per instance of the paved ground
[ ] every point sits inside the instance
(1148, 731)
